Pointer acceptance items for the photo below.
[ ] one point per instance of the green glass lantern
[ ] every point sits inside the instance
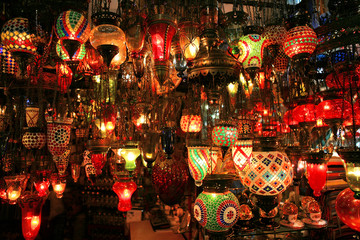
(216, 208)
(130, 153)
(224, 135)
(199, 158)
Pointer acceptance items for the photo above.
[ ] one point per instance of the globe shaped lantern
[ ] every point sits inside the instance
(300, 42)
(224, 135)
(275, 36)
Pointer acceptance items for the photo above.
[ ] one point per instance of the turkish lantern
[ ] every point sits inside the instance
(162, 28)
(348, 209)
(189, 39)
(190, 123)
(124, 189)
(224, 135)
(64, 76)
(300, 42)
(275, 36)
(199, 161)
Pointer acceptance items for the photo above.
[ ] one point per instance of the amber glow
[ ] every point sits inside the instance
(124, 190)
(130, 155)
(13, 193)
(35, 222)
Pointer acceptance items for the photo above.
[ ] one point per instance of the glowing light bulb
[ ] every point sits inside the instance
(110, 126)
(35, 221)
(326, 107)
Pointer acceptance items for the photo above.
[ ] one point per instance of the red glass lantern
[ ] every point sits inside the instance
(124, 189)
(92, 62)
(343, 80)
(98, 161)
(31, 206)
(348, 209)
(64, 76)
(170, 178)
(162, 28)
(42, 181)
(333, 110)
(300, 42)
(224, 135)
(316, 169)
(190, 123)
(109, 113)
(305, 113)
(289, 118)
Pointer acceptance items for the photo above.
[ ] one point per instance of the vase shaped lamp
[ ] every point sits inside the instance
(351, 161)
(124, 189)
(199, 160)
(316, 169)
(58, 183)
(14, 187)
(149, 147)
(31, 206)
(130, 152)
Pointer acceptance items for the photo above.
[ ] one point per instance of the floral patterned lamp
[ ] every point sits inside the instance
(31, 206)
(216, 208)
(58, 135)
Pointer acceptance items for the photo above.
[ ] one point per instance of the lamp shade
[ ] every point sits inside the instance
(351, 161)
(224, 135)
(251, 48)
(242, 154)
(72, 25)
(316, 169)
(130, 154)
(300, 42)
(270, 173)
(216, 209)
(16, 36)
(109, 40)
(31, 206)
(305, 113)
(124, 189)
(333, 109)
(7, 61)
(58, 135)
(64, 76)
(199, 157)
(190, 123)
(64, 55)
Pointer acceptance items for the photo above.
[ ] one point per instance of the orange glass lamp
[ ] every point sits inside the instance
(190, 123)
(109, 40)
(42, 182)
(199, 161)
(316, 169)
(189, 39)
(14, 187)
(162, 28)
(130, 153)
(31, 206)
(124, 189)
(58, 183)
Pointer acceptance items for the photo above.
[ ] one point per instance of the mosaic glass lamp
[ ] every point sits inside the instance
(199, 158)
(224, 135)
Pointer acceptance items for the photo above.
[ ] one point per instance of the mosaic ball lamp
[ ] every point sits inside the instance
(191, 123)
(199, 161)
(34, 138)
(224, 135)
(72, 25)
(16, 36)
(269, 174)
(216, 211)
(348, 209)
(7, 61)
(300, 42)
(124, 189)
(242, 154)
(251, 48)
(31, 206)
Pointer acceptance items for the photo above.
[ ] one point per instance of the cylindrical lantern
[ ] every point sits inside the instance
(281, 61)
(31, 206)
(64, 76)
(300, 42)
(215, 155)
(124, 189)
(170, 178)
(216, 208)
(32, 116)
(58, 135)
(199, 157)
(224, 135)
